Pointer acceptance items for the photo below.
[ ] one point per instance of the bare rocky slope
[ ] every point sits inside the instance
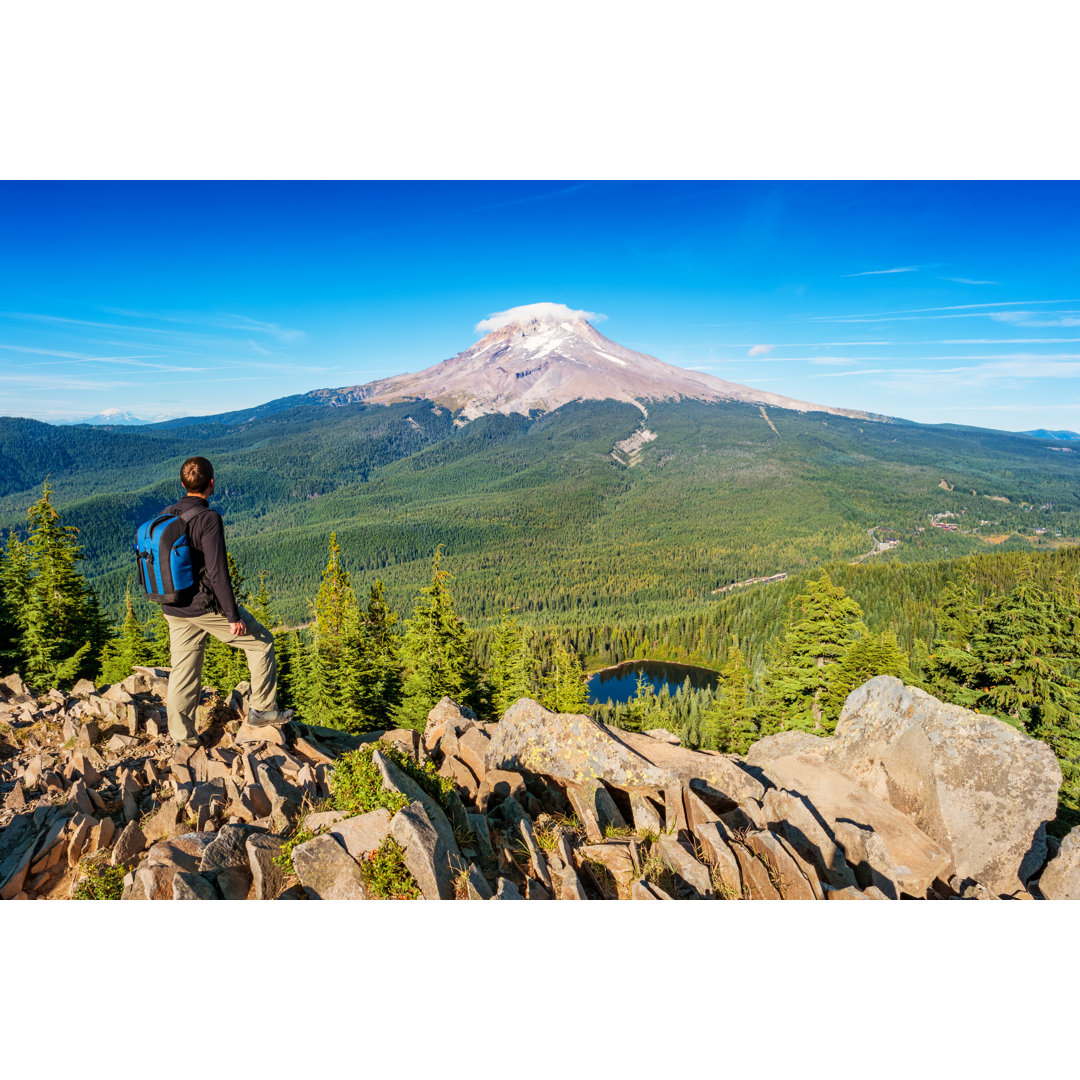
(910, 798)
(541, 361)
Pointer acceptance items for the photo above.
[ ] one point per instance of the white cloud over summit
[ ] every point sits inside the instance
(545, 312)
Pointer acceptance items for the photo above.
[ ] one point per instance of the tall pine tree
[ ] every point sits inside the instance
(53, 611)
(437, 652)
(822, 622)
(126, 648)
(512, 664)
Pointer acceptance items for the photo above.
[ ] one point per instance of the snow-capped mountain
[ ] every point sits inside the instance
(542, 356)
(115, 417)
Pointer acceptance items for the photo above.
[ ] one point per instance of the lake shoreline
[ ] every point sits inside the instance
(618, 683)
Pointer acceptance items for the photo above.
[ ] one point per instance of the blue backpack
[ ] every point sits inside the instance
(163, 556)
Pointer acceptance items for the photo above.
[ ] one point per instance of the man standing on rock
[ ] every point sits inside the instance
(210, 608)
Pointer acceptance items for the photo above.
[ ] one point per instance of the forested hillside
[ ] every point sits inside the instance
(536, 513)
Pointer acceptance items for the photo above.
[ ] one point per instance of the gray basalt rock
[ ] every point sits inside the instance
(507, 890)
(225, 862)
(1061, 878)
(128, 846)
(784, 743)
(267, 878)
(898, 850)
(594, 808)
(792, 817)
(685, 866)
(432, 864)
(396, 780)
(569, 747)
(327, 871)
(364, 833)
(979, 787)
(187, 886)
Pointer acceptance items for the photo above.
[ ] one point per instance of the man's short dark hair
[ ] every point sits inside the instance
(196, 474)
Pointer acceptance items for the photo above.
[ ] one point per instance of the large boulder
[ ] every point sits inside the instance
(877, 840)
(982, 789)
(784, 743)
(721, 774)
(1061, 878)
(570, 747)
(574, 748)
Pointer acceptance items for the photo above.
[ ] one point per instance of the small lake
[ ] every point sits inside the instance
(619, 684)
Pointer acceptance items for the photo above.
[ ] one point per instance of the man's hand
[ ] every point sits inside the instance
(238, 628)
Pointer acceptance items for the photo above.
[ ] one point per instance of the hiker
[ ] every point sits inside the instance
(209, 607)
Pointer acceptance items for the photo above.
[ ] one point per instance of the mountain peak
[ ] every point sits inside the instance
(529, 314)
(538, 357)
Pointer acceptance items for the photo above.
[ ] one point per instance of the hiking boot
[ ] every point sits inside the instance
(191, 740)
(269, 717)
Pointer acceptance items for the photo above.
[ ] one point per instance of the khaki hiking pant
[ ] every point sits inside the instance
(187, 643)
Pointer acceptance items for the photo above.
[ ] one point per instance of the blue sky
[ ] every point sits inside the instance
(938, 301)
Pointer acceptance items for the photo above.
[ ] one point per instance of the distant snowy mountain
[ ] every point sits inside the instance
(113, 417)
(542, 356)
(1063, 436)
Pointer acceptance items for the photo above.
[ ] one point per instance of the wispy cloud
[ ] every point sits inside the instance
(1012, 371)
(544, 196)
(213, 321)
(866, 315)
(894, 270)
(761, 350)
(1036, 318)
(968, 281)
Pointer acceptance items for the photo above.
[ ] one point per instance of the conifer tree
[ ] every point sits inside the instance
(14, 601)
(865, 658)
(54, 610)
(437, 653)
(951, 667)
(160, 649)
(821, 624)
(564, 688)
(512, 664)
(334, 634)
(1024, 657)
(729, 722)
(373, 666)
(126, 648)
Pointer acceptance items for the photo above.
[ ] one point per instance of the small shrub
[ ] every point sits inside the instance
(356, 785)
(386, 875)
(426, 776)
(284, 857)
(99, 881)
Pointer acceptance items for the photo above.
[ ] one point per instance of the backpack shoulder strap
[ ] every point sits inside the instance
(192, 512)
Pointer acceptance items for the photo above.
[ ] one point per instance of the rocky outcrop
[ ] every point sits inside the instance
(980, 788)
(539, 806)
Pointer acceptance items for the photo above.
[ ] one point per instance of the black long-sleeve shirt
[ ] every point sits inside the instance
(207, 536)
